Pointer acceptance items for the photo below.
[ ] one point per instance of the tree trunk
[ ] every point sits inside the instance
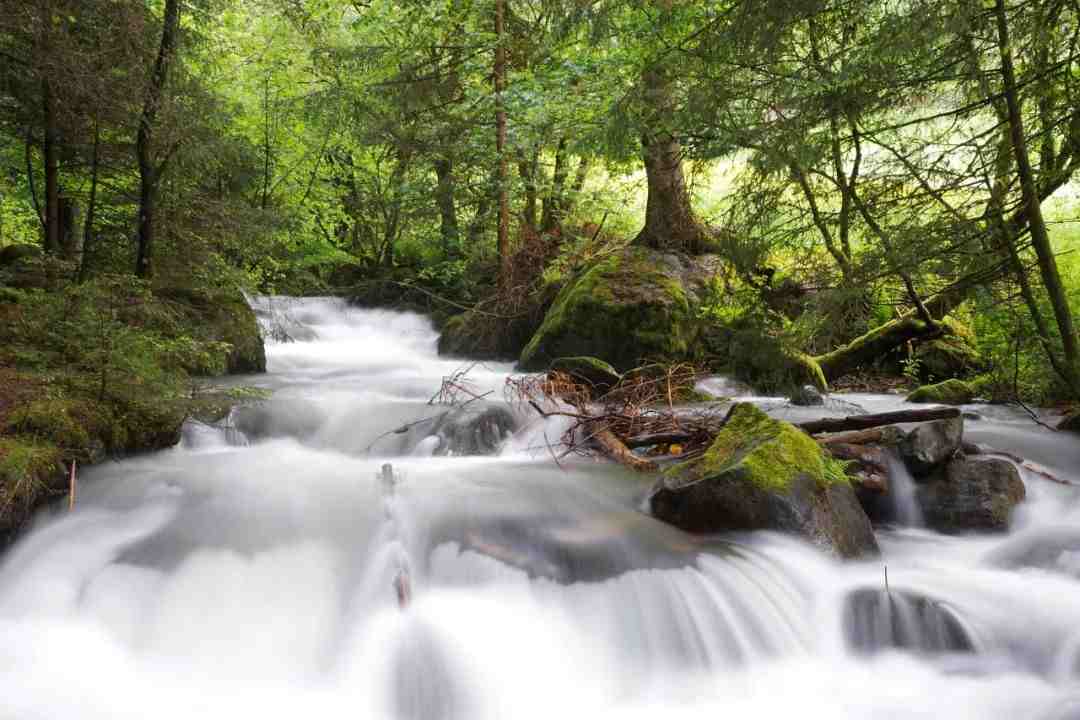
(444, 197)
(670, 223)
(527, 168)
(1040, 238)
(52, 171)
(503, 243)
(91, 205)
(555, 200)
(149, 171)
(30, 180)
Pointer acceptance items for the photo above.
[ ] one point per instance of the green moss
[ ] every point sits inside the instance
(27, 469)
(629, 307)
(58, 420)
(767, 452)
(950, 392)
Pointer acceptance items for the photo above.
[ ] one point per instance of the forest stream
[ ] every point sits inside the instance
(277, 568)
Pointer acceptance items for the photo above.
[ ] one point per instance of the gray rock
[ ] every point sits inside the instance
(875, 620)
(476, 429)
(976, 493)
(807, 396)
(931, 444)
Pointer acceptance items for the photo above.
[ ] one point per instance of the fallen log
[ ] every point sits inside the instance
(866, 422)
(609, 444)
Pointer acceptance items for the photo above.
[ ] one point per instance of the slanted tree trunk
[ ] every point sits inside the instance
(1040, 238)
(670, 223)
(444, 198)
(149, 170)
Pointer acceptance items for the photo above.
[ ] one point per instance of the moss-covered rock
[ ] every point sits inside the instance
(950, 392)
(952, 355)
(589, 370)
(485, 337)
(222, 316)
(765, 474)
(637, 304)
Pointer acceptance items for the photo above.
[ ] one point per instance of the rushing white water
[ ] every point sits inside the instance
(270, 572)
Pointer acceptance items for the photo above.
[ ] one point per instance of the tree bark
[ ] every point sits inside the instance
(503, 243)
(670, 223)
(865, 422)
(149, 171)
(91, 205)
(555, 200)
(444, 198)
(51, 153)
(1040, 238)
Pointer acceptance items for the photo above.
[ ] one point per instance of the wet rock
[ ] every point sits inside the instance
(1070, 422)
(589, 370)
(950, 392)
(880, 620)
(476, 429)
(764, 474)
(977, 493)
(280, 417)
(807, 396)
(931, 444)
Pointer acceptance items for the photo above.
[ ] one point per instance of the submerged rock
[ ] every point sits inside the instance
(475, 429)
(634, 305)
(950, 392)
(807, 396)
(765, 474)
(930, 444)
(881, 620)
(589, 370)
(976, 493)
(1056, 549)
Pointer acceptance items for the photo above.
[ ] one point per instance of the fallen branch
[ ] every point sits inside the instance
(615, 449)
(865, 422)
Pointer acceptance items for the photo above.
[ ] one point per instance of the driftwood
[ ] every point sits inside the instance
(616, 449)
(857, 437)
(866, 422)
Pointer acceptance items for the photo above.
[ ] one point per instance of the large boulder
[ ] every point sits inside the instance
(951, 355)
(973, 493)
(765, 474)
(950, 392)
(931, 444)
(636, 304)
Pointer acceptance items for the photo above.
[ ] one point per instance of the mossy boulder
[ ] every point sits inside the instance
(221, 315)
(765, 474)
(485, 337)
(950, 392)
(591, 371)
(952, 355)
(637, 304)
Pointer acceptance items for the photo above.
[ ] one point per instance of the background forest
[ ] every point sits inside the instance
(901, 169)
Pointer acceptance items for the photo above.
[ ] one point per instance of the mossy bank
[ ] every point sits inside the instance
(102, 368)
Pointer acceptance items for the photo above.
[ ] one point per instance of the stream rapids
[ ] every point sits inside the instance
(258, 570)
